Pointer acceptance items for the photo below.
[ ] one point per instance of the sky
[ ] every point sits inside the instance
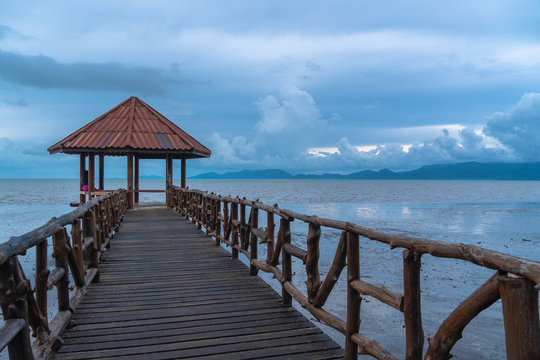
(304, 86)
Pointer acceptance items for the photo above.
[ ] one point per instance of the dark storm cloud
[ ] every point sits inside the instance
(44, 72)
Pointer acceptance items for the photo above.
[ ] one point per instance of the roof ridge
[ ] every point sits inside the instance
(175, 127)
(131, 121)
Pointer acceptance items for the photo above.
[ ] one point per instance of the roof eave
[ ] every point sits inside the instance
(125, 151)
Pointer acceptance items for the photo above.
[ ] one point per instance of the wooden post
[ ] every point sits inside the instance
(285, 228)
(130, 180)
(217, 222)
(333, 274)
(253, 270)
(183, 173)
(42, 275)
(353, 297)
(520, 311)
(76, 239)
(226, 221)
(169, 178)
(60, 261)
(15, 307)
(242, 225)
(91, 176)
(414, 333)
(136, 180)
(82, 197)
(199, 209)
(313, 281)
(234, 240)
(269, 236)
(89, 230)
(101, 172)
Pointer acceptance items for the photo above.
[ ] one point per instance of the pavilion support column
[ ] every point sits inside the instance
(183, 171)
(82, 197)
(101, 172)
(91, 176)
(169, 177)
(136, 180)
(130, 180)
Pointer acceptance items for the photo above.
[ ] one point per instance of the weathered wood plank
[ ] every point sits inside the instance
(166, 291)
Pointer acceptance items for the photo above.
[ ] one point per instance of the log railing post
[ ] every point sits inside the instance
(234, 240)
(217, 222)
(353, 297)
(13, 292)
(207, 204)
(269, 236)
(520, 311)
(60, 260)
(340, 259)
(89, 231)
(253, 270)
(313, 281)
(98, 226)
(199, 209)
(78, 276)
(242, 225)
(414, 333)
(226, 221)
(285, 229)
(42, 275)
(184, 207)
(76, 239)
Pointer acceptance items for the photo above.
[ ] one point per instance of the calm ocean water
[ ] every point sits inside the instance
(498, 215)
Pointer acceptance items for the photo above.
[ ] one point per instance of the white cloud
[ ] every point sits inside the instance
(518, 128)
(290, 123)
(293, 109)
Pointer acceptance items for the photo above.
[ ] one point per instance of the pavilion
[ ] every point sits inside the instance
(137, 131)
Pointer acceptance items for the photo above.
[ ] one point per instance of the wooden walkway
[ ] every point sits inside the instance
(167, 292)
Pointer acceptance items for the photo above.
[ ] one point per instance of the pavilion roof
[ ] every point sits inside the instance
(132, 127)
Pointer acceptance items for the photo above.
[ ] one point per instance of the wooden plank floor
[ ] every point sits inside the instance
(167, 292)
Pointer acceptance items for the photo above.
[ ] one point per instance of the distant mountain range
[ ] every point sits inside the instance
(461, 171)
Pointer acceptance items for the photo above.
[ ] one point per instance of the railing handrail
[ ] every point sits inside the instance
(18, 245)
(516, 281)
(480, 256)
(92, 225)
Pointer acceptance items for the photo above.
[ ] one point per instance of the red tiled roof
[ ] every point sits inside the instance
(131, 127)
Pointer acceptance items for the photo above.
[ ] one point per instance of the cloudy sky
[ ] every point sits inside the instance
(305, 86)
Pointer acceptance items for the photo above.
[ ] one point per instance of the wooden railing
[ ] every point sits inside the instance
(515, 280)
(92, 225)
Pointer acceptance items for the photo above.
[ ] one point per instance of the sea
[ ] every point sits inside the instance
(497, 215)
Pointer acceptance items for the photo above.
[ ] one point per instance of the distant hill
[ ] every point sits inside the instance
(461, 171)
(247, 174)
(152, 177)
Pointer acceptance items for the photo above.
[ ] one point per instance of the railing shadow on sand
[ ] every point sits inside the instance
(515, 280)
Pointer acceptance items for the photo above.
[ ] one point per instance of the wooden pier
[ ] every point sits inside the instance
(157, 284)
(167, 292)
